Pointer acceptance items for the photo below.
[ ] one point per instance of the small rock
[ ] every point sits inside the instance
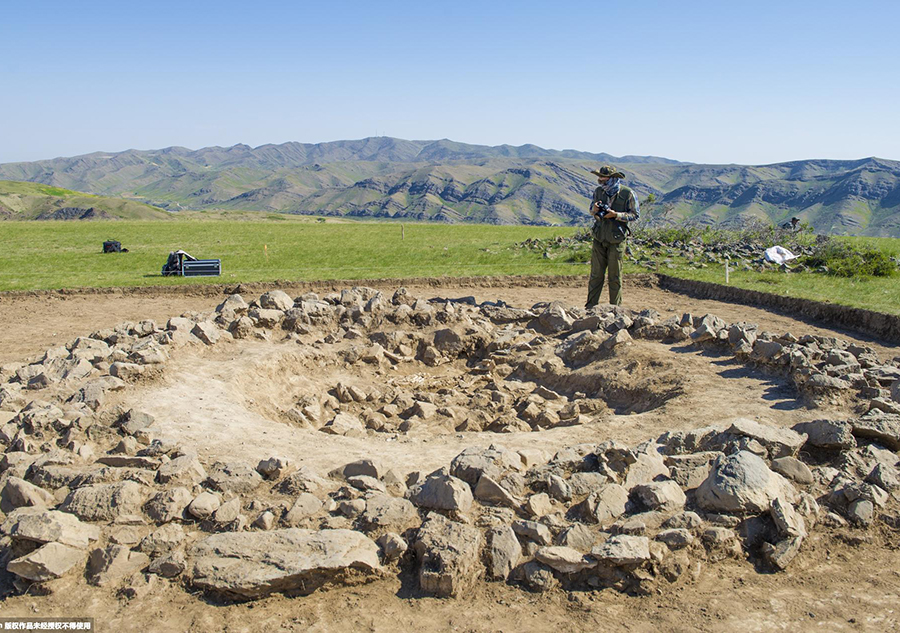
(537, 532)
(204, 505)
(665, 496)
(305, 506)
(676, 538)
(441, 491)
(392, 545)
(623, 549)
(162, 541)
(793, 469)
(861, 511)
(504, 552)
(112, 563)
(539, 578)
(265, 521)
(539, 505)
(563, 559)
(273, 467)
(168, 505)
(578, 537)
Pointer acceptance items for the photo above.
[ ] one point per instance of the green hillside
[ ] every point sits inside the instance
(446, 181)
(33, 201)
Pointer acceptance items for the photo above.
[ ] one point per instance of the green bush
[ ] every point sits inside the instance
(843, 259)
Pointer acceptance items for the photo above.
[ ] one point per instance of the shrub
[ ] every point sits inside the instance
(843, 259)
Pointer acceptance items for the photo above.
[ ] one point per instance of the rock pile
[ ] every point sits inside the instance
(87, 489)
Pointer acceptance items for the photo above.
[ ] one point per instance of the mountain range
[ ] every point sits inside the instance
(446, 181)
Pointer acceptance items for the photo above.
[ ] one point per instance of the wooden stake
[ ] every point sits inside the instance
(402, 232)
(726, 271)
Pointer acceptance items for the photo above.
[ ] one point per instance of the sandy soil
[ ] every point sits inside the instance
(211, 397)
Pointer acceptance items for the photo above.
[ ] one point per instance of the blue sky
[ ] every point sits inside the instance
(710, 82)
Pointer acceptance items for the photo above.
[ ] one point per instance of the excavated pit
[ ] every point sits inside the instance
(422, 394)
(591, 443)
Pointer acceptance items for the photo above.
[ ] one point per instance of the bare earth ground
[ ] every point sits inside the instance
(211, 397)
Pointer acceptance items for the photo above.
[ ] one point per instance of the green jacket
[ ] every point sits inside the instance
(625, 204)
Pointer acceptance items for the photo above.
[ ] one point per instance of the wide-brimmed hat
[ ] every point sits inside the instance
(608, 171)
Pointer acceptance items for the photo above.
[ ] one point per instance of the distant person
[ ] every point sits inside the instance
(613, 207)
(792, 225)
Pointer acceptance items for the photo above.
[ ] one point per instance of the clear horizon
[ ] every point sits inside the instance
(704, 83)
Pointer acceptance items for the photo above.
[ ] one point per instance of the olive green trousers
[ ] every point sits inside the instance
(606, 256)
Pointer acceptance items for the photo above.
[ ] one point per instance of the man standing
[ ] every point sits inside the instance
(613, 207)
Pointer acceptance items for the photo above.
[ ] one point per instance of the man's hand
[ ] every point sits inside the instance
(611, 214)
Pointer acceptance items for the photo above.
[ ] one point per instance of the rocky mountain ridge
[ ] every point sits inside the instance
(455, 182)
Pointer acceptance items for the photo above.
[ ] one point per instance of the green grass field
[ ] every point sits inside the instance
(258, 248)
(52, 255)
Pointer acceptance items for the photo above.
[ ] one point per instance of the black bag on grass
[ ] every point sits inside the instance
(113, 246)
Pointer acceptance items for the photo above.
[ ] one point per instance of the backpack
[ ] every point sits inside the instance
(112, 246)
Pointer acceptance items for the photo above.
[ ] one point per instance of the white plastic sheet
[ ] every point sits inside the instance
(779, 255)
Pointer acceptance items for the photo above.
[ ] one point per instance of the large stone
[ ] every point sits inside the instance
(250, 565)
(533, 530)
(162, 541)
(344, 424)
(276, 300)
(448, 554)
(742, 483)
(386, 512)
(110, 564)
(675, 538)
(489, 491)
(565, 560)
(168, 505)
(882, 427)
(539, 505)
(50, 561)
(793, 469)
(665, 496)
(829, 434)
(305, 506)
(104, 502)
(606, 504)
(207, 331)
(779, 442)
(493, 461)
(233, 303)
(504, 552)
(442, 491)
(581, 484)
(788, 521)
(236, 478)
(555, 318)
(361, 468)
(204, 505)
(648, 465)
(185, 470)
(18, 493)
(46, 526)
(781, 554)
(578, 537)
(134, 421)
(623, 549)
